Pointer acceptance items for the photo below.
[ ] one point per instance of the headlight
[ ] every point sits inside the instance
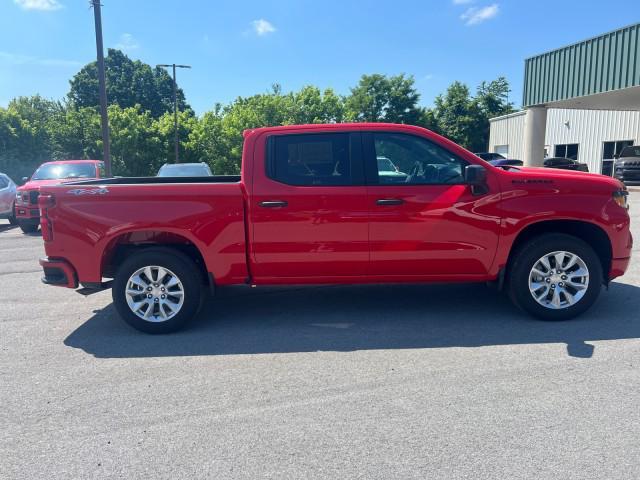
(620, 197)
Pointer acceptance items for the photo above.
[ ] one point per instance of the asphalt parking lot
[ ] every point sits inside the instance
(437, 382)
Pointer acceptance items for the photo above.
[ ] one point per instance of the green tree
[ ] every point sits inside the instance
(378, 98)
(492, 100)
(129, 83)
(165, 128)
(457, 116)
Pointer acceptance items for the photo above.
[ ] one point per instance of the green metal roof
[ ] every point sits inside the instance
(604, 63)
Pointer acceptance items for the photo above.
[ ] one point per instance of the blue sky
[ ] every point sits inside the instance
(238, 48)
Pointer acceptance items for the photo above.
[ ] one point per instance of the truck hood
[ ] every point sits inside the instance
(564, 176)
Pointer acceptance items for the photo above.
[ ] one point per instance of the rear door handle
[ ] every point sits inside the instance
(273, 204)
(389, 201)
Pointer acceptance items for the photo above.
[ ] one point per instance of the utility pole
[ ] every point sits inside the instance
(102, 87)
(175, 105)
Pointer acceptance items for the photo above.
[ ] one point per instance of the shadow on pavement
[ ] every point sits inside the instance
(6, 226)
(282, 320)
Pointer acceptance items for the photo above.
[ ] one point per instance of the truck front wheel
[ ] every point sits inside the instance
(28, 226)
(555, 277)
(157, 290)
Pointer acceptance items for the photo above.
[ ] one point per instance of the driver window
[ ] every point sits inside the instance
(407, 159)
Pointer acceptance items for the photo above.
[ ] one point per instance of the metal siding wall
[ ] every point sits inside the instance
(508, 131)
(588, 128)
(608, 62)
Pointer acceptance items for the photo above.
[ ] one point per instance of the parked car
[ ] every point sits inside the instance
(627, 165)
(310, 207)
(7, 198)
(488, 156)
(565, 164)
(185, 170)
(506, 162)
(50, 173)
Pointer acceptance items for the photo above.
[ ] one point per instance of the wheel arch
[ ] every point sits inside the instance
(589, 232)
(121, 246)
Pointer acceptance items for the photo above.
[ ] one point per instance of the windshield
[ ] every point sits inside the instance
(53, 171)
(184, 171)
(630, 152)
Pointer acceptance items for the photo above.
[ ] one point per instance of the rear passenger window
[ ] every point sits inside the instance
(316, 160)
(3, 183)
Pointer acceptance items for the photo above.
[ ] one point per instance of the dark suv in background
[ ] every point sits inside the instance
(627, 165)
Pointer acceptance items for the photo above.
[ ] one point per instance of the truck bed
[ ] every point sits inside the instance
(159, 180)
(92, 219)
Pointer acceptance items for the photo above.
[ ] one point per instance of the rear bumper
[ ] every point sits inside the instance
(58, 272)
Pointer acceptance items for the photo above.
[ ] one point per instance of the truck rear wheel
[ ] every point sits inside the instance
(555, 277)
(157, 290)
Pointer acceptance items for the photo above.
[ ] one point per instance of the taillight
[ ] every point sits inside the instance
(45, 202)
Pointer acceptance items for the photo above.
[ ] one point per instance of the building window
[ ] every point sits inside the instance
(611, 151)
(569, 150)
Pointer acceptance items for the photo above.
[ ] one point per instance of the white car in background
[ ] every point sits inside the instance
(7, 198)
(185, 170)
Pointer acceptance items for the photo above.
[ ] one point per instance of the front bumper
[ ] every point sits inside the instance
(618, 267)
(58, 272)
(627, 174)
(28, 213)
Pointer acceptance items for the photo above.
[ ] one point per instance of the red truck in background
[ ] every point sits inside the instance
(50, 173)
(338, 204)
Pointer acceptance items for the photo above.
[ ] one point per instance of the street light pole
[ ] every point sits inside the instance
(102, 88)
(175, 106)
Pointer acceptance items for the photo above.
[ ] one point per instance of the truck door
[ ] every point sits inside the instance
(308, 210)
(425, 221)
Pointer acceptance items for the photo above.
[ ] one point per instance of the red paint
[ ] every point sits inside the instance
(333, 234)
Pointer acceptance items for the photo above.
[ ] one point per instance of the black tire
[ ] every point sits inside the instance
(526, 257)
(178, 263)
(28, 227)
(12, 219)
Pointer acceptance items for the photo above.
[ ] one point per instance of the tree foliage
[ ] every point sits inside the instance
(129, 83)
(34, 129)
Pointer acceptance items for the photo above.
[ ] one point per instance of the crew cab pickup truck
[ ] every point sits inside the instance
(50, 173)
(311, 207)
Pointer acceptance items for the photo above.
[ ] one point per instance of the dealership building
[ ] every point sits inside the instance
(581, 101)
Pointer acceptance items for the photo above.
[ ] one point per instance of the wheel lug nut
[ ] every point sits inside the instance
(548, 280)
(558, 271)
(553, 285)
(564, 277)
(163, 296)
(561, 284)
(155, 300)
(148, 289)
(149, 296)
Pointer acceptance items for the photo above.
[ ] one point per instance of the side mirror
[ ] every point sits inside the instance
(25, 179)
(476, 176)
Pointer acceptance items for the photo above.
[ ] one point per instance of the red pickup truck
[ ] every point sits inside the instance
(338, 204)
(50, 173)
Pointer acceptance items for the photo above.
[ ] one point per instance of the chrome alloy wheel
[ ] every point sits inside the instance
(154, 294)
(559, 280)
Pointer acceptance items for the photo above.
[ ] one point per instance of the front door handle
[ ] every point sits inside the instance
(273, 204)
(389, 201)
